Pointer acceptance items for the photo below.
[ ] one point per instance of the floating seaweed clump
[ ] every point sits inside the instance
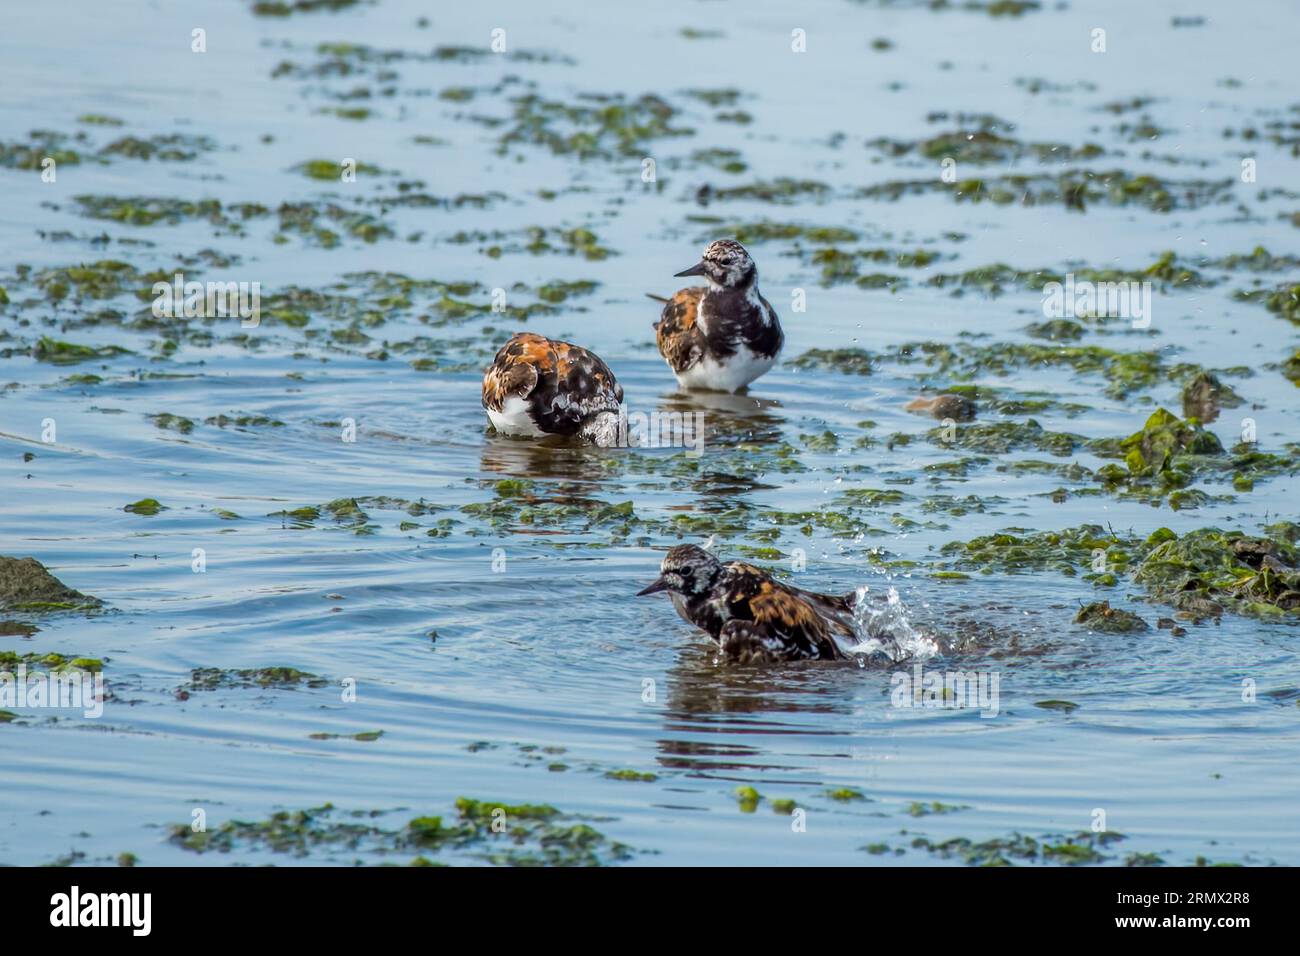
(597, 125)
(1168, 454)
(1016, 550)
(1284, 301)
(1207, 571)
(1082, 848)
(214, 678)
(1100, 616)
(1201, 574)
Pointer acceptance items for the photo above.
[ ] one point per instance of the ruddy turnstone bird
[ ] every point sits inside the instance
(537, 386)
(753, 617)
(722, 336)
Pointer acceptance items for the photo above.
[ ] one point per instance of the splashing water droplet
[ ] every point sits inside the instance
(883, 628)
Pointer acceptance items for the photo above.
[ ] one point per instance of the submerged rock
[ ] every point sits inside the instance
(1162, 437)
(1205, 395)
(1101, 617)
(25, 585)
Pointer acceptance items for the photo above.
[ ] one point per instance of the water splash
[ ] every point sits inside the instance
(883, 628)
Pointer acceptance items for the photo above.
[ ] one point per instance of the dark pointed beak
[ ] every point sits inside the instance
(659, 585)
(695, 270)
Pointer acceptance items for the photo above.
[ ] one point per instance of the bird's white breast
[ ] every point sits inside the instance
(735, 372)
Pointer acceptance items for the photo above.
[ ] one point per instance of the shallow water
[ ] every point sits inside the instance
(505, 657)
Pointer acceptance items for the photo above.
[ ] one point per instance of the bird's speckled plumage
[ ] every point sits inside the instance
(722, 336)
(753, 617)
(539, 386)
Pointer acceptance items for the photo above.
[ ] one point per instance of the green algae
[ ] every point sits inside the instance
(998, 438)
(963, 361)
(329, 170)
(279, 678)
(58, 352)
(1056, 330)
(996, 278)
(726, 160)
(299, 518)
(1291, 367)
(635, 775)
(170, 147)
(353, 514)
(846, 794)
(284, 8)
(54, 663)
(103, 279)
(147, 211)
(169, 422)
(1011, 402)
(918, 809)
(1204, 573)
(1162, 438)
(1073, 189)
(601, 125)
(1063, 706)
(1208, 571)
(521, 505)
(320, 223)
(727, 96)
(341, 317)
(1070, 552)
(557, 292)
(537, 241)
(747, 798)
(43, 145)
(1283, 301)
(839, 265)
(848, 361)
(1071, 854)
(145, 506)
(782, 190)
(996, 852)
(354, 113)
(243, 421)
(984, 144)
(1163, 459)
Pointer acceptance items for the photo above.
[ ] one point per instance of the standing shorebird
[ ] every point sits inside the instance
(538, 386)
(753, 617)
(722, 336)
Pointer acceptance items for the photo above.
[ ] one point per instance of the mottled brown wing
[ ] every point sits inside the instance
(681, 341)
(835, 610)
(586, 379)
(515, 370)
